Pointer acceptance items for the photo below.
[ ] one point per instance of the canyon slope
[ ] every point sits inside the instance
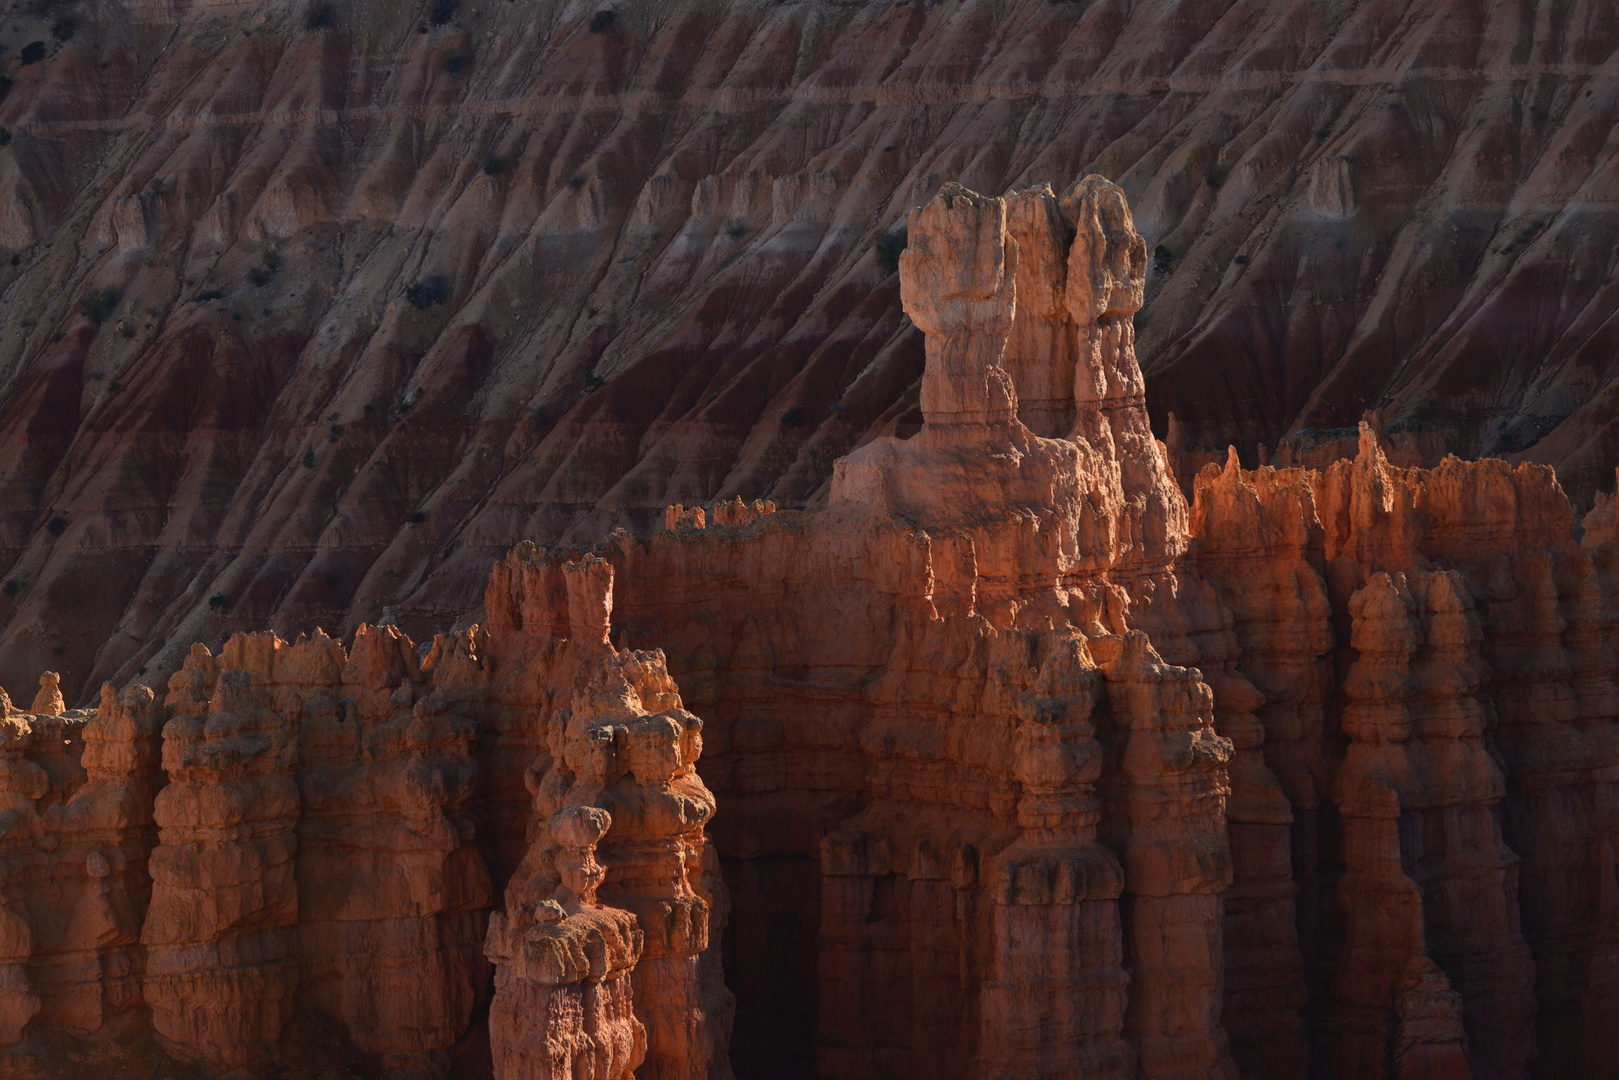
(310, 310)
(1007, 763)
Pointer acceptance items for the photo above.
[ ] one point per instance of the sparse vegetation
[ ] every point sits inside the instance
(56, 526)
(218, 602)
(1214, 175)
(319, 15)
(12, 587)
(1162, 259)
(425, 292)
(210, 294)
(602, 20)
(441, 11)
(99, 303)
(309, 459)
(32, 53)
(454, 62)
(268, 265)
(793, 418)
(5, 135)
(335, 433)
(593, 382)
(62, 29)
(888, 247)
(494, 164)
(416, 517)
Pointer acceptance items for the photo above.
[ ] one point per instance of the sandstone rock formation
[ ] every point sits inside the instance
(312, 309)
(222, 928)
(1318, 715)
(1011, 765)
(613, 986)
(316, 849)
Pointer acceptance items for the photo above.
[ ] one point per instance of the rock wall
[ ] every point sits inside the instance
(1448, 742)
(1315, 717)
(1012, 764)
(593, 938)
(311, 309)
(295, 837)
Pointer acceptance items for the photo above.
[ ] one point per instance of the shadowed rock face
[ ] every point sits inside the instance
(1005, 764)
(312, 310)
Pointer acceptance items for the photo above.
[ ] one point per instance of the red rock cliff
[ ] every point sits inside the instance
(310, 311)
(1007, 763)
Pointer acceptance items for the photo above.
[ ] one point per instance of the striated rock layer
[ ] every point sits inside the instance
(311, 309)
(323, 845)
(1008, 764)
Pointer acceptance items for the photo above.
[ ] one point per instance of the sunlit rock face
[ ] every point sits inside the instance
(1009, 761)
(309, 311)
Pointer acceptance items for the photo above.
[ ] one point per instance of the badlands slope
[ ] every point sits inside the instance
(309, 312)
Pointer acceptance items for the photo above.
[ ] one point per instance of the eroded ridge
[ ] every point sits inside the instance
(303, 829)
(1011, 765)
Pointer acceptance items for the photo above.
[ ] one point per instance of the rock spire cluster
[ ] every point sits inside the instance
(1008, 764)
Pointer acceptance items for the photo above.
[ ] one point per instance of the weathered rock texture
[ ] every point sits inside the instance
(1012, 765)
(318, 848)
(1304, 779)
(599, 962)
(311, 309)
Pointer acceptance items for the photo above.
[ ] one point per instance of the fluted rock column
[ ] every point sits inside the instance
(221, 932)
(22, 784)
(654, 854)
(101, 967)
(1054, 1002)
(620, 783)
(1468, 875)
(1384, 939)
(1258, 546)
(1177, 860)
(564, 1004)
(1039, 355)
(958, 283)
(1417, 794)
(392, 890)
(1557, 738)
(1104, 288)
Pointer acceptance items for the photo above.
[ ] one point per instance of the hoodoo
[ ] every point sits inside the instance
(1008, 764)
